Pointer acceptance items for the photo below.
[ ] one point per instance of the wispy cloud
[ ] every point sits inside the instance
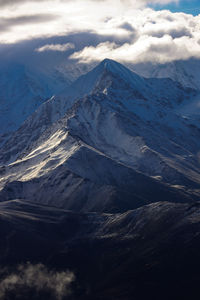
(7, 23)
(4, 3)
(56, 47)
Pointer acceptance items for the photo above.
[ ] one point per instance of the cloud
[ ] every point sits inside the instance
(146, 49)
(71, 16)
(7, 23)
(56, 47)
(36, 281)
(162, 37)
(127, 26)
(173, 28)
(125, 30)
(4, 3)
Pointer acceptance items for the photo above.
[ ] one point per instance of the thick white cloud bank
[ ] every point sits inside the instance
(140, 33)
(159, 36)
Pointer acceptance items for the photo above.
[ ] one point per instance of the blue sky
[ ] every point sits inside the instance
(187, 6)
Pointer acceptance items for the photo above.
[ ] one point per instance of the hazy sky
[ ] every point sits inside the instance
(125, 30)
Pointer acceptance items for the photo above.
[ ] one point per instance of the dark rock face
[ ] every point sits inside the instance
(151, 252)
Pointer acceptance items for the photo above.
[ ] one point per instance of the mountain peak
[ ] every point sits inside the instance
(111, 65)
(108, 62)
(95, 79)
(86, 83)
(119, 70)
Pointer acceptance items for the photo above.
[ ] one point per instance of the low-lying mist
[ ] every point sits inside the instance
(31, 281)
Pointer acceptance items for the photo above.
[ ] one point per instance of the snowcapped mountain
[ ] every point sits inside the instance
(22, 91)
(112, 141)
(187, 72)
(25, 87)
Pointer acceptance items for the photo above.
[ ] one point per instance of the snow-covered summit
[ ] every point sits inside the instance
(186, 72)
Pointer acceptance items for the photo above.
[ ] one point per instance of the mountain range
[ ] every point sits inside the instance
(151, 252)
(101, 175)
(132, 129)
